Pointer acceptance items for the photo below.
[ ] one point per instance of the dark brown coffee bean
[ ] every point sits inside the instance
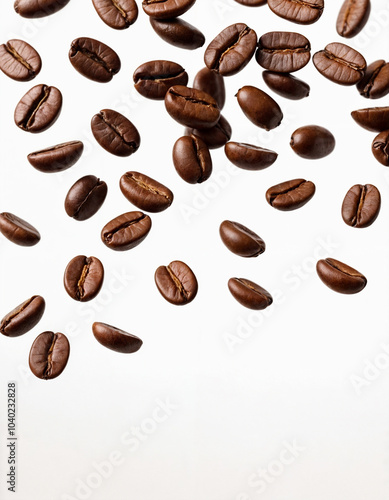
(19, 60)
(352, 17)
(290, 195)
(373, 119)
(340, 277)
(286, 85)
(115, 339)
(312, 142)
(166, 9)
(24, 317)
(283, 51)
(154, 78)
(49, 355)
(259, 107)
(241, 240)
(38, 8)
(115, 133)
(192, 159)
(361, 206)
(18, 230)
(178, 32)
(231, 50)
(126, 231)
(83, 278)
(214, 137)
(38, 109)
(212, 83)
(249, 157)
(117, 14)
(375, 83)
(85, 197)
(300, 11)
(340, 63)
(145, 193)
(249, 294)
(252, 3)
(56, 158)
(380, 148)
(176, 283)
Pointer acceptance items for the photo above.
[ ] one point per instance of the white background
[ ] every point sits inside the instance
(242, 386)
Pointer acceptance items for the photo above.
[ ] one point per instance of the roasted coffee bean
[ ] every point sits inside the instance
(19, 60)
(375, 83)
(126, 231)
(192, 159)
(312, 142)
(166, 9)
(85, 197)
(115, 339)
(340, 277)
(286, 85)
(259, 107)
(176, 283)
(24, 317)
(115, 133)
(290, 195)
(18, 230)
(373, 119)
(56, 158)
(212, 83)
(361, 206)
(38, 8)
(117, 14)
(249, 157)
(380, 148)
(191, 107)
(178, 32)
(352, 17)
(340, 63)
(83, 278)
(154, 78)
(145, 193)
(300, 11)
(214, 137)
(283, 51)
(252, 3)
(249, 294)
(49, 355)
(231, 50)
(241, 240)
(38, 109)
(94, 59)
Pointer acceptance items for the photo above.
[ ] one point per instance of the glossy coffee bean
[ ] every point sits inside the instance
(192, 159)
(240, 240)
(259, 107)
(373, 119)
(83, 278)
(352, 18)
(249, 294)
(145, 193)
(252, 3)
(24, 317)
(299, 12)
(18, 230)
(154, 78)
(380, 148)
(57, 158)
(85, 197)
(340, 277)
(166, 9)
(38, 8)
(49, 355)
(116, 339)
(361, 206)
(312, 142)
(214, 137)
(290, 195)
(283, 51)
(375, 83)
(178, 32)
(19, 60)
(176, 283)
(249, 157)
(126, 231)
(286, 85)
(212, 83)
(231, 50)
(340, 63)
(117, 14)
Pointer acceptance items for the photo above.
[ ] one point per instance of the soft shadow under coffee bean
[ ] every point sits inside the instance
(49, 355)
(249, 294)
(56, 158)
(18, 230)
(116, 339)
(340, 277)
(117, 14)
(85, 197)
(176, 283)
(361, 206)
(24, 317)
(19, 60)
(83, 278)
(312, 142)
(241, 240)
(290, 195)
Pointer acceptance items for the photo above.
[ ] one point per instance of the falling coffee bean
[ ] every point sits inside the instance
(361, 206)
(212, 83)
(240, 240)
(249, 157)
(83, 278)
(259, 107)
(214, 137)
(373, 119)
(375, 83)
(286, 85)
(290, 195)
(49, 355)
(249, 294)
(340, 277)
(115, 339)
(178, 32)
(176, 283)
(352, 18)
(117, 14)
(56, 158)
(85, 197)
(192, 159)
(380, 148)
(300, 12)
(154, 78)
(18, 230)
(312, 142)
(166, 9)
(19, 60)
(283, 51)
(38, 8)
(340, 63)
(126, 231)
(24, 317)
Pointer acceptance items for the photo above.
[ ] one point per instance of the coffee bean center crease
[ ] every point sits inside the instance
(11, 50)
(131, 144)
(93, 56)
(80, 285)
(38, 103)
(178, 283)
(147, 186)
(192, 99)
(275, 195)
(333, 57)
(236, 42)
(125, 225)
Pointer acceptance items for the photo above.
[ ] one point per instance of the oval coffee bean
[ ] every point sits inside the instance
(361, 206)
(259, 107)
(192, 159)
(231, 50)
(117, 14)
(154, 78)
(286, 85)
(166, 9)
(18, 230)
(38, 109)
(19, 60)
(353, 16)
(283, 51)
(249, 294)
(241, 240)
(375, 83)
(83, 278)
(212, 83)
(85, 197)
(126, 231)
(49, 355)
(214, 137)
(24, 317)
(249, 157)
(115, 339)
(380, 148)
(340, 277)
(290, 195)
(300, 12)
(340, 63)
(176, 283)
(178, 32)
(373, 119)
(115, 133)
(38, 8)
(252, 3)
(145, 193)
(312, 142)
(56, 158)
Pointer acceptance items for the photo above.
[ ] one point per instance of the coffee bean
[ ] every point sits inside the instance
(56, 158)
(290, 195)
(249, 157)
(375, 83)
(361, 206)
(340, 63)
(231, 50)
(352, 17)
(176, 283)
(283, 51)
(300, 12)
(249, 294)
(252, 3)
(38, 109)
(214, 137)
(166, 9)
(212, 83)
(340, 277)
(126, 231)
(178, 32)
(94, 59)
(286, 85)
(373, 119)
(49, 355)
(24, 317)
(312, 142)
(85, 197)
(154, 78)
(259, 107)
(380, 148)
(18, 230)
(241, 240)
(115, 133)
(83, 278)
(192, 159)
(38, 8)
(19, 60)
(145, 193)
(115, 339)
(117, 14)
